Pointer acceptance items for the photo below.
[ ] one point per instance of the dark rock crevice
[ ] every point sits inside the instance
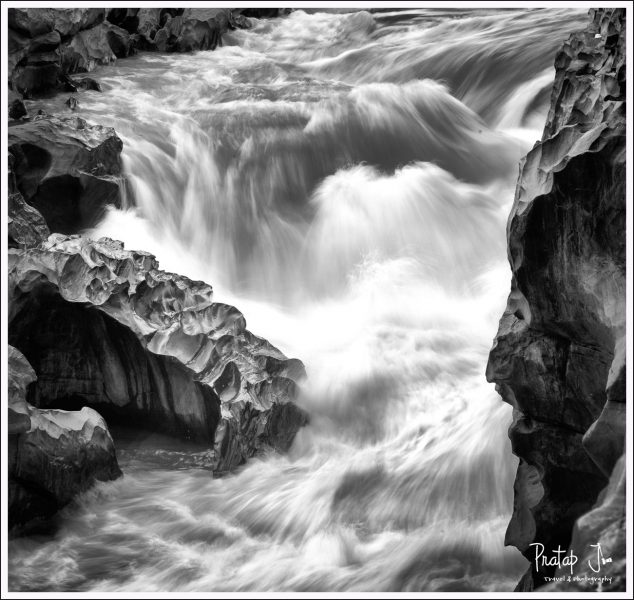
(83, 357)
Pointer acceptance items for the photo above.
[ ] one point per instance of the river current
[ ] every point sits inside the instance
(344, 179)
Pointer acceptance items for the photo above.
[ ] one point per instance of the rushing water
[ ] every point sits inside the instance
(344, 179)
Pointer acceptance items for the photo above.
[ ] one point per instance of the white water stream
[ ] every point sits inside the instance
(344, 180)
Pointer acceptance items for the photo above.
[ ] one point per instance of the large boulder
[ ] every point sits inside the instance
(559, 354)
(149, 348)
(34, 63)
(67, 169)
(35, 38)
(87, 50)
(53, 455)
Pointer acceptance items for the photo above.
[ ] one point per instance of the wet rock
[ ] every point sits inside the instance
(87, 50)
(67, 169)
(88, 83)
(72, 103)
(27, 226)
(126, 18)
(35, 45)
(35, 71)
(149, 347)
(17, 109)
(558, 357)
(198, 35)
(603, 526)
(52, 454)
(119, 40)
(149, 22)
(33, 22)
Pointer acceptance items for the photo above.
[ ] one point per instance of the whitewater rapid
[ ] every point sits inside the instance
(344, 180)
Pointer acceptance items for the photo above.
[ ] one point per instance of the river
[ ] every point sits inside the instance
(344, 179)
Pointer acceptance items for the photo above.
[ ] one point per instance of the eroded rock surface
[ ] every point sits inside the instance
(559, 355)
(151, 347)
(53, 454)
(67, 169)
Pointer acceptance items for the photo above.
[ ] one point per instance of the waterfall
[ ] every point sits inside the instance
(344, 179)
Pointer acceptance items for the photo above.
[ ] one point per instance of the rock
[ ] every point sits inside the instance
(88, 83)
(149, 347)
(87, 50)
(119, 40)
(149, 22)
(126, 18)
(33, 22)
(197, 34)
(66, 169)
(558, 357)
(603, 525)
(34, 64)
(72, 103)
(27, 226)
(52, 454)
(190, 29)
(45, 45)
(17, 110)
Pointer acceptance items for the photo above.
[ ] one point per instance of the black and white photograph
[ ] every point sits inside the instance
(316, 299)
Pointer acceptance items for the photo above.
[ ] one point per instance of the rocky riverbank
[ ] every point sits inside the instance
(49, 47)
(94, 327)
(559, 354)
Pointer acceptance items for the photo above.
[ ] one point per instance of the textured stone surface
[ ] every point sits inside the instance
(67, 22)
(36, 37)
(604, 525)
(100, 45)
(558, 357)
(27, 226)
(67, 169)
(53, 454)
(152, 347)
(186, 30)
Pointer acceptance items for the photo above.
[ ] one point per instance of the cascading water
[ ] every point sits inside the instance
(344, 179)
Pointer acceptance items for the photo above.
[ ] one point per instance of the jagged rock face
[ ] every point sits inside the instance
(53, 454)
(85, 358)
(67, 169)
(116, 333)
(100, 45)
(26, 227)
(603, 525)
(559, 354)
(33, 22)
(36, 36)
(186, 30)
